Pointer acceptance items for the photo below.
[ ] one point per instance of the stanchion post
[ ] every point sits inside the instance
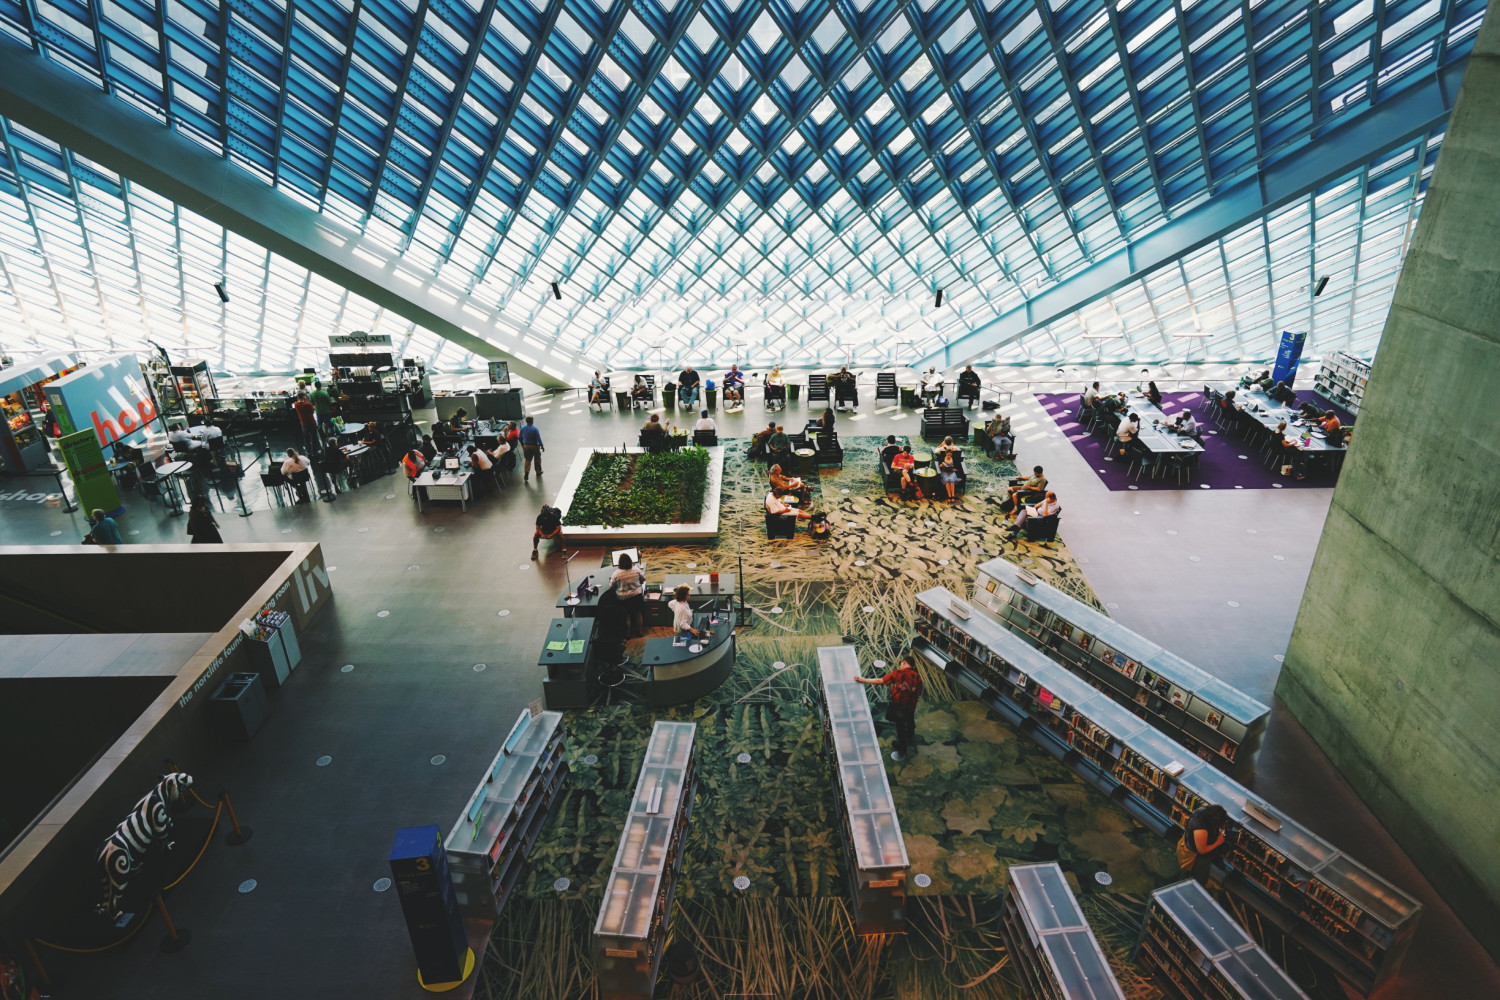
(36, 962)
(241, 833)
(176, 940)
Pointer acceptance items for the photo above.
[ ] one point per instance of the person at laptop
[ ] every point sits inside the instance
(682, 612)
(458, 420)
(479, 460)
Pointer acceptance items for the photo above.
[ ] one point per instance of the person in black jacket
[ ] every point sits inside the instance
(968, 383)
(202, 526)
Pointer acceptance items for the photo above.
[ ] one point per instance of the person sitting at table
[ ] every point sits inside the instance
(653, 434)
(1187, 425)
(1019, 491)
(548, 525)
(1264, 380)
(1045, 507)
(1227, 403)
(705, 423)
(1309, 411)
(458, 420)
(598, 390)
(783, 484)
(687, 391)
(1091, 396)
(888, 452)
(758, 441)
(734, 386)
(905, 463)
(428, 448)
(297, 470)
(778, 507)
(1330, 422)
(181, 441)
(1153, 393)
(682, 612)
(1282, 393)
(1293, 459)
(640, 391)
(479, 459)
(950, 465)
(779, 446)
(1126, 433)
(413, 463)
(628, 581)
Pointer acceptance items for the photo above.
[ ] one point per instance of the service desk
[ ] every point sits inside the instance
(453, 485)
(565, 654)
(700, 594)
(680, 674)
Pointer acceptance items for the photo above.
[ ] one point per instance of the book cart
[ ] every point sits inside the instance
(487, 847)
(1215, 721)
(874, 853)
(1345, 914)
(1200, 953)
(631, 931)
(1050, 942)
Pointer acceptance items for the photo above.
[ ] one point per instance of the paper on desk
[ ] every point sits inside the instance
(557, 644)
(575, 645)
(701, 578)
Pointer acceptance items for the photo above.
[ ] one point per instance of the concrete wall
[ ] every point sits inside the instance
(1393, 662)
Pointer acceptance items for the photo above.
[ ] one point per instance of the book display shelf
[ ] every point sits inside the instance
(1351, 918)
(487, 847)
(631, 931)
(1198, 951)
(1341, 379)
(1049, 941)
(874, 853)
(1218, 723)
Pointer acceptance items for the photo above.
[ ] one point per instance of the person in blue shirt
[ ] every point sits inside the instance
(104, 531)
(531, 447)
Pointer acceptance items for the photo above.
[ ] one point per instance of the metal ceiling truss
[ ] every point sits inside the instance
(794, 178)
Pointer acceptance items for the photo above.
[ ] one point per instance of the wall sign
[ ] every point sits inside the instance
(111, 397)
(360, 340)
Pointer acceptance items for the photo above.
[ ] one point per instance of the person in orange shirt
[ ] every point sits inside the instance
(1330, 422)
(413, 463)
(906, 690)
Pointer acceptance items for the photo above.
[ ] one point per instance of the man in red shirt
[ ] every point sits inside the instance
(906, 690)
(903, 462)
(307, 420)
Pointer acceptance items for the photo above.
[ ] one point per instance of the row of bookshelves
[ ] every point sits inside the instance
(1203, 954)
(1357, 922)
(874, 851)
(1050, 942)
(1341, 377)
(488, 845)
(632, 923)
(1218, 723)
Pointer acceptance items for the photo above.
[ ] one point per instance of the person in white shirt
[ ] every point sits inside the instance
(1046, 507)
(479, 460)
(775, 505)
(1091, 395)
(1129, 430)
(705, 423)
(682, 611)
(932, 383)
(1186, 424)
(297, 470)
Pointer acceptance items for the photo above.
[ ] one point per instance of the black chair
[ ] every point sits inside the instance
(274, 482)
(830, 452)
(706, 439)
(605, 400)
(846, 390)
(781, 525)
(939, 422)
(969, 392)
(1041, 529)
(817, 389)
(647, 401)
(774, 396)
(885, 386)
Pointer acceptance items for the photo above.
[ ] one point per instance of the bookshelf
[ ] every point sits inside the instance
(1351, 918)
(632, 926)
(488, 845)
(1220, 724)
(874, 853)
(1198, 952)
(1048, 940)
(1341, 379)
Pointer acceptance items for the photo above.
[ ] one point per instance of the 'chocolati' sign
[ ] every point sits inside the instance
(359, 340)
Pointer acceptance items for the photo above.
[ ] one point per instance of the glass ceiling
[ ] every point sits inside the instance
(712, 180)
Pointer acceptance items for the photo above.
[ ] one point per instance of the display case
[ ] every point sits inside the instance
(488, 845)
(631, 931)
(1220, 724)
(1198, 952)
(1341, 379)
(193, 384)
(1349, 917)
(875, 859)
(1049, 941)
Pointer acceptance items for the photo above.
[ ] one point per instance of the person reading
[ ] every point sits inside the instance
(778, 507)
(1204, 838)
(734, 385)
(1045, 507)
(783, 484)
(1126, 433)
(1153, 393)
(706, 423)
(640, 392)
(997, 439)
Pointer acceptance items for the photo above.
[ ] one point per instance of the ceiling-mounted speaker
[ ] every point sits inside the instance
(1322, 284)
(940, 297)
(556, 291)
(223, 292)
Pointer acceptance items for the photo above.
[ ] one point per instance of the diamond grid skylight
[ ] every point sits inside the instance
(775, 181)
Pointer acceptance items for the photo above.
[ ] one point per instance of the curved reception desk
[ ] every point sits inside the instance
(680, 674)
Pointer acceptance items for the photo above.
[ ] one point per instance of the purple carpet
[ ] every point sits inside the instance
(1227, 463)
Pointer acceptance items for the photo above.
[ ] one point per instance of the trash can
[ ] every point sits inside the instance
(239, 707)
(622, 401)
(909, 396)
(793, 391)
(711, 399)
(669, 395)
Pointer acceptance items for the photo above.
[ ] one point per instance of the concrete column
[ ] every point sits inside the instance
(1394, 664)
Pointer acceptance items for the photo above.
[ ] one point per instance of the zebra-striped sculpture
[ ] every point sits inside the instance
(125, 849)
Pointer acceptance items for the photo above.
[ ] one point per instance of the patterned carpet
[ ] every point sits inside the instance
(977, 797)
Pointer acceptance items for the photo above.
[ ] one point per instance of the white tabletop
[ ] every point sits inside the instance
(453, 477)
(352, 429)
(172, 468)
(1260, 407)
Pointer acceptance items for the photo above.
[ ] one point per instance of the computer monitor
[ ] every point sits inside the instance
(634, 554)
(451, 463)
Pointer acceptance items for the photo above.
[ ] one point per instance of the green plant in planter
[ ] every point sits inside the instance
(666, 488)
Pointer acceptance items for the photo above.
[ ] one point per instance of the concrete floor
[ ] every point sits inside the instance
(314, 926)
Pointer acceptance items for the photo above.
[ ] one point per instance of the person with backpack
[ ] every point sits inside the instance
(906, 690)
(548, 525)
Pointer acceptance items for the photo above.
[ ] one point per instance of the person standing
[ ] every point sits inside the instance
(102, 530)
(906, 690)
(202, 526)
(297, 470)
(628, 581)
(307, 421)
(1203, 841)
(322, 403)
(531, 448)
(682, 612)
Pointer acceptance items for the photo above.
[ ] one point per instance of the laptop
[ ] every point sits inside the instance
(451, 463)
